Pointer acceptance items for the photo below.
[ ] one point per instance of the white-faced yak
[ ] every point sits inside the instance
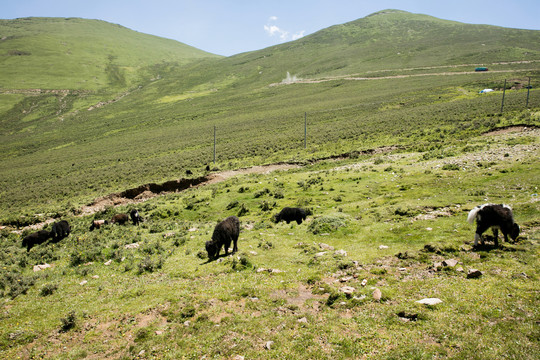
(495, 217)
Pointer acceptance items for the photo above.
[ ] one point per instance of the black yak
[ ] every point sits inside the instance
(96, 224)
(226, 231)
(120, 219)
(289, 214)
(35, 238)
(135, 217)
(60, 230)
(495, 217)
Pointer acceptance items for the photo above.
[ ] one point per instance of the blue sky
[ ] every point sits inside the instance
(229, 27)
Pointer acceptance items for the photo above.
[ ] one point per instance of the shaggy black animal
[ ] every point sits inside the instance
(120, 219)
(226, 231)
(96, 224)
(35, 238)
(495, 217)
(60, 230)
(135, 217)
(291, 214)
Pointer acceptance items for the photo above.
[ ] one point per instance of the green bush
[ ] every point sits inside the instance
(328, 223)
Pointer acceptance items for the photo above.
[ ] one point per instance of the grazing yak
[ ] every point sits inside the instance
(96, 224)
(120, 219)
(135, 217)
(495, 217)
(36, 238)
(226, 231)
(60, 230)
(289, 214)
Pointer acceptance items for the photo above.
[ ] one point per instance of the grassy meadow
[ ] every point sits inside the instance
(400, 147)
(394, 214)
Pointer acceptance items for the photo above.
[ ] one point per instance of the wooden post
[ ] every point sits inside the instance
(504, 92)
(305, 130)
(528, 91)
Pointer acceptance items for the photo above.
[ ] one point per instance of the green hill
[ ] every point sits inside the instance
(73, 53)
(150, 110)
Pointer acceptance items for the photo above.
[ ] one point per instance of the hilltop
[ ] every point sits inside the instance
(82, 54)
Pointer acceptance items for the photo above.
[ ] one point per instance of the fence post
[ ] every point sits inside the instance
(305, 130)
(528, 91)
(504, 92)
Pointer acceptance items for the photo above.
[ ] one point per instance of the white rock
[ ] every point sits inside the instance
(108, 263)
(382, 247)
(83, 282)
(340, 253)
(430, 301)
(377, 294)
(268, 345)
(41, 267)
(319, 254)
(364, 282)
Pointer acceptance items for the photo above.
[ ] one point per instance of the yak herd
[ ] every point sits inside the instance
(497, 217)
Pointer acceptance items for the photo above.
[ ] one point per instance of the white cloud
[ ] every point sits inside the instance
(284, 35)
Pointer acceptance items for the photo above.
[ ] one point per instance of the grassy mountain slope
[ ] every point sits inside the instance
(63, 149)
(73, 53)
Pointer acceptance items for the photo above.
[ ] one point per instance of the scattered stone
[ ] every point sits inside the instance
(347, 290)
(324, 246)
(377, 294)
(238, 357)
(159, 332)
(108, 263)
(429, 229)
(132, 246)
(460, 269)
(169, 234)
(361, 297)
(319, 254)
(303, 320)
(254, 253)
(41, 267)
(193, 229)
(345, 279)
(187, 323)
(364, 282)
(382, 247)
(95, 277)
(142, 352)
(450, 262)
(437, 266)
(83, 282)
(430, 301)
(268, 345)
(340, 253)
(402, 269)
(474, 274)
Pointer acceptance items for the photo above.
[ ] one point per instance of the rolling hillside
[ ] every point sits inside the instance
(80, 54)
(383, 136)
(125, 108)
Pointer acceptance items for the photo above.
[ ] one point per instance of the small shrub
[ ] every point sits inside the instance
(243, 210)
(450, 167)
(68, 322)
(263, 192)
(241, 263)
(48, 289)
(232, 204)
(327, 223)
(149, 265)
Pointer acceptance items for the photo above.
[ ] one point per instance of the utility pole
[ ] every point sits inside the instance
(504, 92)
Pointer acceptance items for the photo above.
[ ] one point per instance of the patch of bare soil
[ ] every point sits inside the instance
(511, 130)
